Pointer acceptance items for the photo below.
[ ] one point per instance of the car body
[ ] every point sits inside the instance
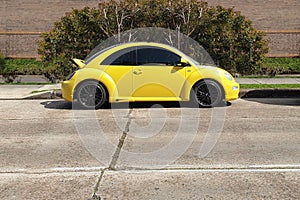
(144, 71)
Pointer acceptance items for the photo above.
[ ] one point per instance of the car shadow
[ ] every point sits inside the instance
(64, 105)
(57, 105)
(276, 101)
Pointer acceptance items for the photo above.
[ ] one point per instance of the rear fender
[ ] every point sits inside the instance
(98, 75)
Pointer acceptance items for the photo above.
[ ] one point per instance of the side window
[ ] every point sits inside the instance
(122, 57)
(156, 56)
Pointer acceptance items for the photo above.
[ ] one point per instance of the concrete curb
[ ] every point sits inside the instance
(41, 95)
(51, 94)
(45, 95)
(269, 93)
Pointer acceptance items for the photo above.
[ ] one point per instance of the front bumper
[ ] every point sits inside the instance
(232, 91)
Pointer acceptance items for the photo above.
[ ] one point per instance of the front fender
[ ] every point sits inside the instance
(99, 75)
(196, 76)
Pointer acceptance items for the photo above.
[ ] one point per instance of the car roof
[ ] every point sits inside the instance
(131, 44)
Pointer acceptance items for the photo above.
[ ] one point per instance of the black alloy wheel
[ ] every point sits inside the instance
(90, 95)
(208, 93)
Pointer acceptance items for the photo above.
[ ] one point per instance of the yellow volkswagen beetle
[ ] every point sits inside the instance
(143, 71)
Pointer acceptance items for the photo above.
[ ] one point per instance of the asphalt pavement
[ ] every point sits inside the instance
(247, 150)
(50, 151)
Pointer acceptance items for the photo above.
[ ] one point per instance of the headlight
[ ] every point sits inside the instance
(228, 76)
(235, 88)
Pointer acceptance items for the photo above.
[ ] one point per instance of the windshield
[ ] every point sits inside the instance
(194, 61)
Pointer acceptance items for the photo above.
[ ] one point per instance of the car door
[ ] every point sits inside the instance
(118, 66)
(157, 74)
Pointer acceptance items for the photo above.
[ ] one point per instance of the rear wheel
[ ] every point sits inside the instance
(208, 93)
(90, 95)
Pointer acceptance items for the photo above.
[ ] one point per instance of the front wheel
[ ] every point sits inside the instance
(208, 93)
(89, 95)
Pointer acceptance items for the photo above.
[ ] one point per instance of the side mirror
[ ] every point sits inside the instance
(183, 63)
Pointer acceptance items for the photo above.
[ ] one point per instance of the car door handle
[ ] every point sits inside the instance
(137, 72)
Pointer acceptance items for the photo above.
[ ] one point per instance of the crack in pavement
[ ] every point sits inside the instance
(114, 160)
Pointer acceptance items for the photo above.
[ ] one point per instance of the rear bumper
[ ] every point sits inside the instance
(67, 90)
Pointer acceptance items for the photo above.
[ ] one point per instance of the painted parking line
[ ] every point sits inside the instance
(208, 169)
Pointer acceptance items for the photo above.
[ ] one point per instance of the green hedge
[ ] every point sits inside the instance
(228, 37)
(22, 67)
(2, 62)
(9, 68)
(273, 66)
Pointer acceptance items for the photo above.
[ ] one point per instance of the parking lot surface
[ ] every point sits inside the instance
(249, 149)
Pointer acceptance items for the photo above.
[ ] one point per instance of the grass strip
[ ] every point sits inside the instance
(280, 76)
(38, 91)
(270, 86)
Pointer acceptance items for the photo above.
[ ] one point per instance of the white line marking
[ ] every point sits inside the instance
(206, 171)
(177, 168)
(221, 166)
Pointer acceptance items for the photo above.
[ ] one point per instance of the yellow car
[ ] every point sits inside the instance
(143, 71)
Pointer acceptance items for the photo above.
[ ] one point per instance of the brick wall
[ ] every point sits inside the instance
(267, 14)
(36, 15)
(39, 16)
(284, 44)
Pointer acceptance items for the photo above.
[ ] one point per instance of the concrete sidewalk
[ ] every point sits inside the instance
(11, 92)
(268, 80)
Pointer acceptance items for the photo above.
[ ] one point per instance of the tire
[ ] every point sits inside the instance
(207, 94)
(89, 95)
